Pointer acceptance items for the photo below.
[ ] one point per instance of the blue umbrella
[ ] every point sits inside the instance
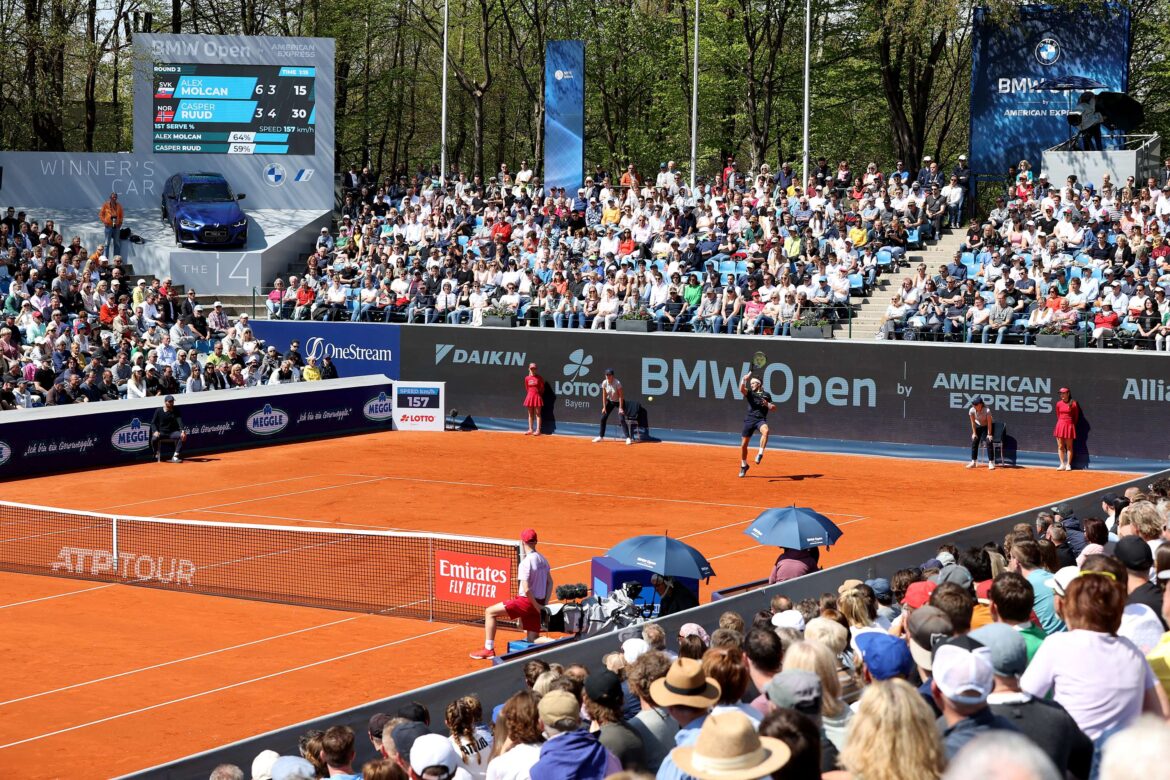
(662, 555)
(793, 528)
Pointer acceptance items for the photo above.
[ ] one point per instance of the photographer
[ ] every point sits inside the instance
(673, 597)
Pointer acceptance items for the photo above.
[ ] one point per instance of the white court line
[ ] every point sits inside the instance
(266, 498)
(206, 492)
(57, 596)
(223, 688)
(180, 660)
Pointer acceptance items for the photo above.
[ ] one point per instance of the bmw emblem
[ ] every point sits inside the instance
(1048, 51)
(274, 174)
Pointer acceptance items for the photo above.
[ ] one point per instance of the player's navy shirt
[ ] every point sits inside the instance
(757, 404)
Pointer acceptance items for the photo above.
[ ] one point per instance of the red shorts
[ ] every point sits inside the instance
(526, 611)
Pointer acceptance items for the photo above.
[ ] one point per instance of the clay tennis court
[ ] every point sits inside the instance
(104, 679)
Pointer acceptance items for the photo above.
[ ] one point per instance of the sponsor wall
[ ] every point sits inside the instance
(899, 393)
(52, 439)
(564, 114)
(357, 349)
(1012, 118)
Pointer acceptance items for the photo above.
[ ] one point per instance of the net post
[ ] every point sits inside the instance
(114, 539)
(430, 580)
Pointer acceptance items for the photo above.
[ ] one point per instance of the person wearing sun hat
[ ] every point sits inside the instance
(728, 748)
(688, 695)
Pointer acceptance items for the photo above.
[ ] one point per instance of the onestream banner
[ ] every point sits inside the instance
(564, 114)
(1012, 118)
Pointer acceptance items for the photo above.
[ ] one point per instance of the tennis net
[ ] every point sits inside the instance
(420, 575)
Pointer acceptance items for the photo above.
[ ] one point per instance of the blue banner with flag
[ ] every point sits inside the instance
(1028, 73)
(564, 114)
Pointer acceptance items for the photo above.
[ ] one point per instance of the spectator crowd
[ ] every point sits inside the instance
(77, 329)
(745, 252)
(1054, 258)
(1042, 656)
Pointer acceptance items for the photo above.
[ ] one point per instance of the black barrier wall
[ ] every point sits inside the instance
(914, 394)
(495, 685)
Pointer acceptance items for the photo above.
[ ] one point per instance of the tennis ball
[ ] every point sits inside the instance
(649, 399)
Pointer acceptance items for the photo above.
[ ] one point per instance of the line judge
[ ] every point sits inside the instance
(535, 587)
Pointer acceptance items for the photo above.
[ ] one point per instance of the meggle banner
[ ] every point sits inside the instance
(564, 114)
(1011, 118)
(356, 348)
(902, 393)
(114, 433)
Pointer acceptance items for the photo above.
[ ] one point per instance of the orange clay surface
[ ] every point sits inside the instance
(105, 679)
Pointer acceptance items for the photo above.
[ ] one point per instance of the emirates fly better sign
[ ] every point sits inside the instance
(471, 579)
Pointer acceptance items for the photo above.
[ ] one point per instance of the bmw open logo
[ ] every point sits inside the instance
(274, 174)
(1048, 51)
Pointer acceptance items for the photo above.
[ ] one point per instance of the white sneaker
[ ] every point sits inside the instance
(596, 439)
(176, 459)
(971, 465)
(629, 440)
(991, 467)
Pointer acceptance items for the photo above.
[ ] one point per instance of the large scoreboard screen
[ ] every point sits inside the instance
(234, 109)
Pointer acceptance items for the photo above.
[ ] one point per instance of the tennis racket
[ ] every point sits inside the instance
(759, 361)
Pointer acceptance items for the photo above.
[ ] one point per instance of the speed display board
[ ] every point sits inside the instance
(234, 109)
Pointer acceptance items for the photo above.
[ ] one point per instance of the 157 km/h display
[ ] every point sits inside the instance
(234, 109)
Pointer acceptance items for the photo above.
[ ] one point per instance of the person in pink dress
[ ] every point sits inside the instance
(534, 399)
(1067, 415)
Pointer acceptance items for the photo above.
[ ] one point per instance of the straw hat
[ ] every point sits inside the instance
(685, 685)
(728, 748)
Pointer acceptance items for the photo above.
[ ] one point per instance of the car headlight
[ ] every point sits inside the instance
(241, 223)
(189, 224)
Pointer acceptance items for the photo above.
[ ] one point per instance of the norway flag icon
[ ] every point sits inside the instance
(165, 114)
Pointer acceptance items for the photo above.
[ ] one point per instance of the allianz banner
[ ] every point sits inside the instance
(564, 114)
(1012, 117)
(356, 348)
(898, 393)
(115, 433)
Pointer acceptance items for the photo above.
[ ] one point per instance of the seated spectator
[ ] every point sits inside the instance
(818, 659)
(794, 563)
(652, 723)
(728, 746)
(803, 739)
(603, 704)
(688, 695)
(892, 736)
(569, 752)
(470, 740)
(517, 738)
(337, 752)
(763, 652)
(883, 657)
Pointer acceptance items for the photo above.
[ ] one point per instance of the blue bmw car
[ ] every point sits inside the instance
(203, 211)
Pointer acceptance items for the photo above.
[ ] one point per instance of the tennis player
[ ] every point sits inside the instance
(615, 398)
(756, 419)
(536, 585)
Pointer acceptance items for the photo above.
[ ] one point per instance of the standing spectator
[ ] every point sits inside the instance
(112, 217)
(535, 586)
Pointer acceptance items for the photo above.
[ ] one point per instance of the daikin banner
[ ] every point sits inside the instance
(564, 114)
(1015, 111)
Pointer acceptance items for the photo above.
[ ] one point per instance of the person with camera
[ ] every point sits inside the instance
(112, 217)
(536, 584)
(672, 596)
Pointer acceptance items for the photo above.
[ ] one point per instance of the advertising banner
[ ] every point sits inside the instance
(356, 348)
(418, 406)
(471, 579)
(114, 433)
(564, 114)
(898, 393)
(1015, 114)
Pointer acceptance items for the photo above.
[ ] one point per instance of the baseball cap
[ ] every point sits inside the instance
(945, 558)
(405, 734)
(789, 618)
(634, 648)
(1009, 652)
(796, 689)
(609, 372)
(928, 627)
(931, 563)
(880, 586)
(1134, 553)
(605, 688)
(556, 706)
(293, 768)
(431, 751)
(963, 671)
(1064, 509)
(528, 536)
(262, 764)
(170, 399)
(918, 594)
(960, 575)
(377, 724)
(1059, 581)
(884, 655)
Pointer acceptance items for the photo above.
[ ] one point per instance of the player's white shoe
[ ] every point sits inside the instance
(971, 465)
(991, 466)
(759, 457)
(176, 459)
(629, 440)
(743, 471)
(596, 439)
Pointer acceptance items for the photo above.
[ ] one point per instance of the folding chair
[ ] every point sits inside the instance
(995, 446)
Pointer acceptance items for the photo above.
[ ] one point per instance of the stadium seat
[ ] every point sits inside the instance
(885, 260)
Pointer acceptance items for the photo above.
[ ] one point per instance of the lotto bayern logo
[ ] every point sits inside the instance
(267, 421)
(274, 174)
(132, 437)
(1048, 51)
(5, 452)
